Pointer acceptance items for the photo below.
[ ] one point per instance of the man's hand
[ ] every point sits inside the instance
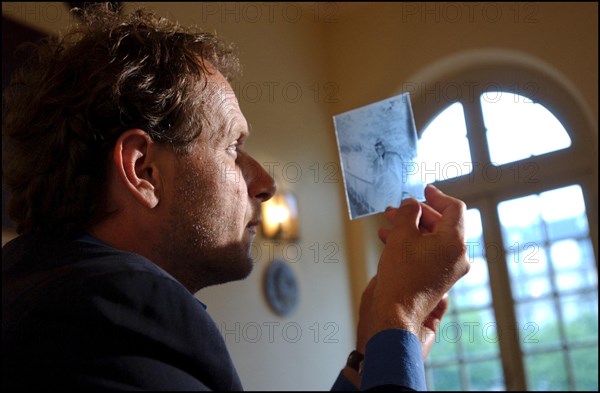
(424, 255)
(431, 325)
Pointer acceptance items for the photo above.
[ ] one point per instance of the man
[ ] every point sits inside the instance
(388, 182)
(132, 190)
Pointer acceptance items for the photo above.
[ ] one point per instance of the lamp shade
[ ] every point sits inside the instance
(280, 216)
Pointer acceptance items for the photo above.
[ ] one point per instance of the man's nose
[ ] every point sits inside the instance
(261, 185)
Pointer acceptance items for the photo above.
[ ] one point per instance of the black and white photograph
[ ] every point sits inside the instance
(378, 148)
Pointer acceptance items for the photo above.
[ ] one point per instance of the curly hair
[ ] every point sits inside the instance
(77, 94)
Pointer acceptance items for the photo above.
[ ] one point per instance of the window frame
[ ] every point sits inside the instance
(577, 164)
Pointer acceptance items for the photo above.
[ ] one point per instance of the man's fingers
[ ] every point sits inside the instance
(451, 209)
(408, 215)
(435, 316)
(440, 210)
(441, 308)
(390, 213)
(383, 233)
(372, 283)
(429, 218)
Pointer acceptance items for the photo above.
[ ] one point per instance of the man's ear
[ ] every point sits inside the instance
(134, 156)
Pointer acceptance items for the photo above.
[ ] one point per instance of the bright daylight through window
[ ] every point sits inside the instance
(545, 243)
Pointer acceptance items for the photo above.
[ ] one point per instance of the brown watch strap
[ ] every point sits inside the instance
(354, 360)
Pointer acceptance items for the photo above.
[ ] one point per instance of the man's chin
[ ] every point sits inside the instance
(238, 272)
(245, 269)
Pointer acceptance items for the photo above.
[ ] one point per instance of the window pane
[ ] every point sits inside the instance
(479, 334)
(551, 226)
(554, 282)
(443, 149)
(539, 325)
(586, 368)
(446, 378)
(466, 350)
(538, 375)
(519, 128)
(485, 376)
(521, 221)
(581, 321)
(445, 347)
(529, 272)
(562, 218)
(473, 289)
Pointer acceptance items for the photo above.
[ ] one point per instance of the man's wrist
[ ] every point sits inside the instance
(397, 318)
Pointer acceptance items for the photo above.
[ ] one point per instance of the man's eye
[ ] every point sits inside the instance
(233, 147)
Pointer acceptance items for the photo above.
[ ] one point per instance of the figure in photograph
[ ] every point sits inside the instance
(387, 177)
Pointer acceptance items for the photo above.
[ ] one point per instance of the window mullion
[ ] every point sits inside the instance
(589, 184)
(510, 348)
(476, 133)
(509, 345)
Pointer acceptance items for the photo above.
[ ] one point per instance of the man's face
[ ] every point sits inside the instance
(380, 149)
(217, 192)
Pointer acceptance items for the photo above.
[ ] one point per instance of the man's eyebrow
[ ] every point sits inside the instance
(235, 128)
(239, 127)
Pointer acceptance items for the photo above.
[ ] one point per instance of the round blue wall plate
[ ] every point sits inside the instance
(281, 287)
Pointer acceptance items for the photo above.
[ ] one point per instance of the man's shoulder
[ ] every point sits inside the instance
(55, 273)
(92, 288)
(84, 312)
(28, 255)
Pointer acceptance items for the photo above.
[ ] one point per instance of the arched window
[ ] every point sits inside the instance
(514, 143)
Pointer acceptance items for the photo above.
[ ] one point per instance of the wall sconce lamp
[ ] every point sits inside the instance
(280, 217)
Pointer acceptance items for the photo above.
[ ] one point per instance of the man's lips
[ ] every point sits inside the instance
(252, 225)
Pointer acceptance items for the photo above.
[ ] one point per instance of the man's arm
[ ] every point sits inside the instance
(424, 255)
